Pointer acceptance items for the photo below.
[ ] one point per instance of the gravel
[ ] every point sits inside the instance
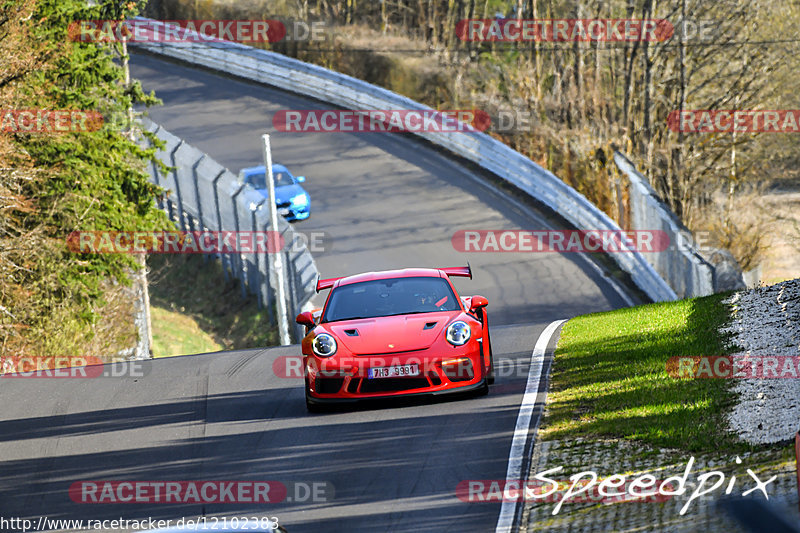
(766, 322)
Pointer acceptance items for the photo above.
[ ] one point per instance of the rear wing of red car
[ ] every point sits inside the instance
(464, 272)
(323, 284)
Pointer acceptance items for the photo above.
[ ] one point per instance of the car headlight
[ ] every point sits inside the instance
(458, 333)
(324, 345)
(300, 200)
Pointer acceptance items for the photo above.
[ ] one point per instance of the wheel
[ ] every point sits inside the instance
(490, 377)
(312, 407)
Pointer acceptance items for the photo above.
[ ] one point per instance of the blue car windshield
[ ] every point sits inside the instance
(388, 297)
(259, 181)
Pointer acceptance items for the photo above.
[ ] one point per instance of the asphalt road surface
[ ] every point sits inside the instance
(387, 201)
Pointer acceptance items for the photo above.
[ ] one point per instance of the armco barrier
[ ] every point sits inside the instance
(345, 91)
(205, 196)
(681, 266)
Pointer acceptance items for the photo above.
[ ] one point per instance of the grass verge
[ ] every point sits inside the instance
(194, 310)
(609, 377)
(175, 333)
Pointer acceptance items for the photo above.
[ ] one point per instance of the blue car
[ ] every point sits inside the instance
(292, 200)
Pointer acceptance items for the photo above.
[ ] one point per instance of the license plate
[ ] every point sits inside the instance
(398, 371)
(283, 211)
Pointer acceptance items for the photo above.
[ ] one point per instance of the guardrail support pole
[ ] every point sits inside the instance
(276, 255)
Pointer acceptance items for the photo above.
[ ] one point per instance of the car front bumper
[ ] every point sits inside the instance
(458, 370)
(334, 400)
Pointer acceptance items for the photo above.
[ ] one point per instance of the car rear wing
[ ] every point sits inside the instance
(323, 284)
(464, 272)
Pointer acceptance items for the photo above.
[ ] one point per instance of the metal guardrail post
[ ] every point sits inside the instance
(224, 258)
(154, 172)
(178, 187)
(293, 291)
(239, 261)
(196, 181)
(259, 278)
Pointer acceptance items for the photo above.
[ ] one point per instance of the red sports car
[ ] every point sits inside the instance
(395, 333)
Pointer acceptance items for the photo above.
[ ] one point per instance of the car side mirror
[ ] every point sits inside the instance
(300, 179)
(306, 319)
(478, 302)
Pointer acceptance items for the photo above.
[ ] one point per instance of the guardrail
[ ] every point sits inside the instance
(347, 92)
(680, 265)
(205, 196)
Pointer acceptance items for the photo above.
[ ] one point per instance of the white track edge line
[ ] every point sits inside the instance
(515, 457)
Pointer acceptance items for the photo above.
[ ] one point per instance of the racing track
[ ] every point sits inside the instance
(388, 201)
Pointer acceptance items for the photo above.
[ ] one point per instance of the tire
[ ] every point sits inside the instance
(490, 377)
(312, 407)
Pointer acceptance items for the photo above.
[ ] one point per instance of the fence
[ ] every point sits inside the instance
(680, 265)
(345, 91)
(205, 196)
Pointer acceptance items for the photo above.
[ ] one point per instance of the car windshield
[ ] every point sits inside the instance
(259, 180)
(387, 297)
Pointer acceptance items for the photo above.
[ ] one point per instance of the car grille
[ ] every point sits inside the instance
(328, 385)
(283, 204)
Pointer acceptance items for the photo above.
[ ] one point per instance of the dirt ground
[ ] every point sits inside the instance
(781, 209)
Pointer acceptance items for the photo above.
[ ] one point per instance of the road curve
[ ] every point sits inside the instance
(388, 202)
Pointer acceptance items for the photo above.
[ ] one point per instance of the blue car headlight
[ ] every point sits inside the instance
(301, 200)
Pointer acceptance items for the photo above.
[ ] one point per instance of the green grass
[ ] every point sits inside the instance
(178, 334)
(609, 377)
(194, 310)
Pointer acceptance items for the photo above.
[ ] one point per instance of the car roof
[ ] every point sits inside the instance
(261, 168)
(388, 274)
